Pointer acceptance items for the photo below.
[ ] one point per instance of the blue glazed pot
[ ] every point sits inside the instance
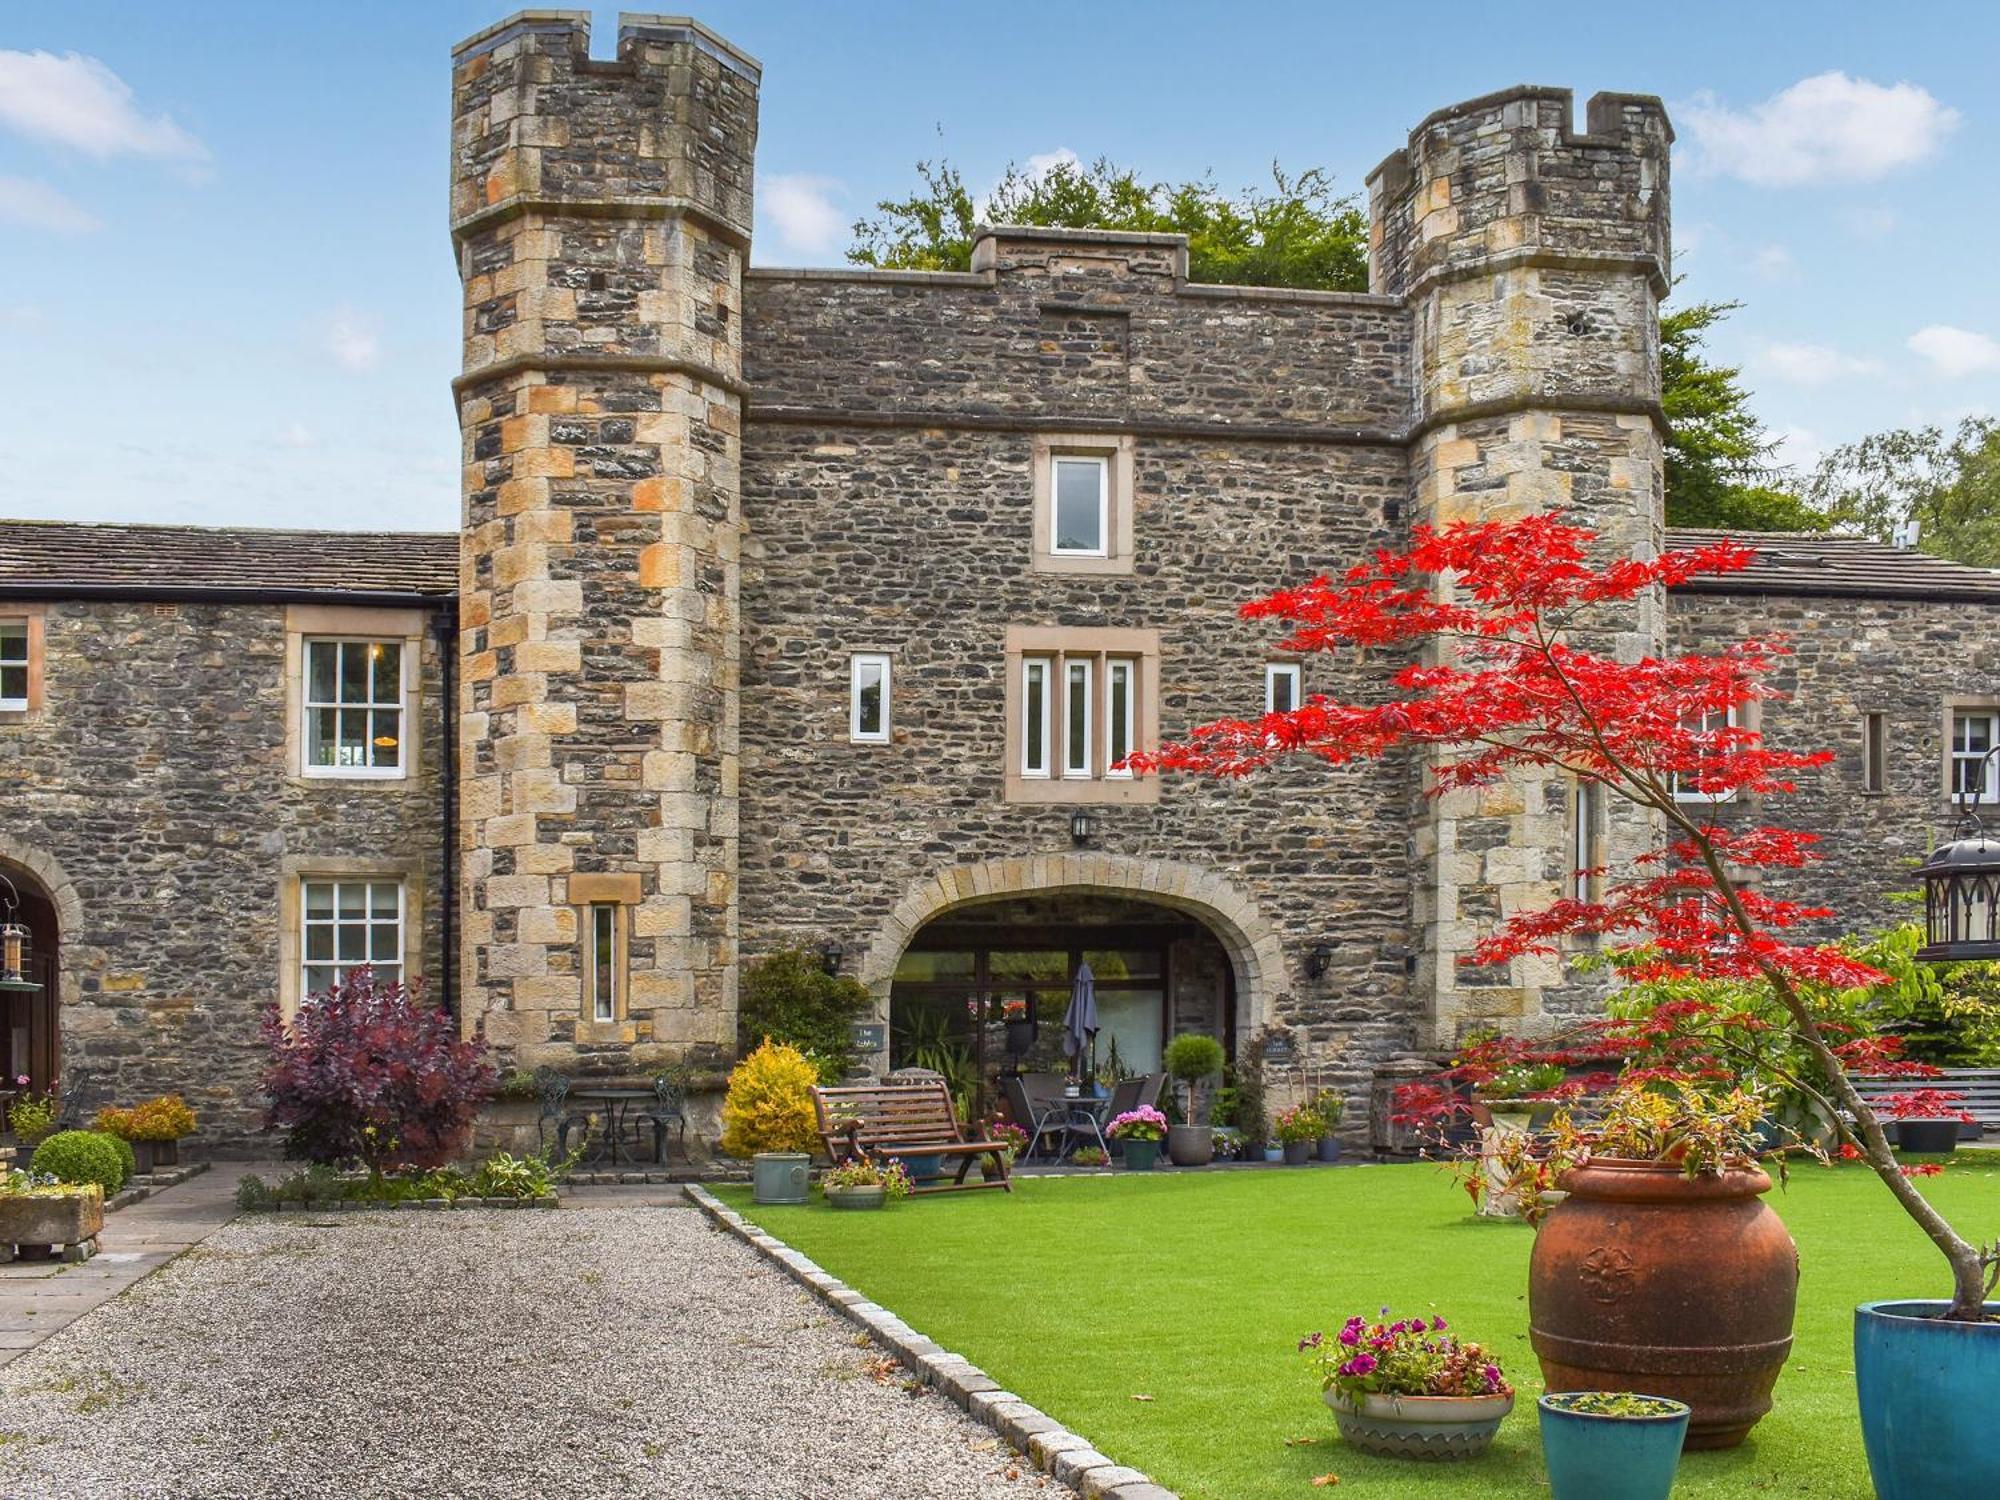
(1926, 1391)
(1611, 1458)
(922, 1169)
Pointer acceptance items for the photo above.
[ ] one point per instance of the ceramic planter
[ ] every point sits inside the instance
(1439, 1429)
(1329, 1148)
(922, 1169)
(1928, 1137)
(1298, 1153)
(1598, 1457)
(779, 1176)
(1190, 1145)
(866, 1195)
(1627, 1291)
(1274, 1152)
(1926, 1389)
(1141, 1155)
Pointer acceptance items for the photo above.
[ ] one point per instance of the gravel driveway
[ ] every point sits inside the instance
(592, 1352)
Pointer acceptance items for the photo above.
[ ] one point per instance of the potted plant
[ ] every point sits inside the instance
(1927, 1120)
(1297, 1129)
(863, 1184)
(1274, 1151)
(1516, 1094)
(32, 1118)
(767, 1115)
(1330, 1107)
(153, 1129)
(1409, 1389)
(1089, 1156)
(1191, 1059)
(35, 1210)
(1141, 1130)
(1611, 1445)
(1011, 1135)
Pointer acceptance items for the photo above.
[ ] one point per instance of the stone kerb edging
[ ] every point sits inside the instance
(146, 1184)
(1045, 1442)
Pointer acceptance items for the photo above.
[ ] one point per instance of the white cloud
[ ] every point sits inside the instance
(76, 101)
(802, 210)
(352, 340)
(1827, 128)
(1774, 263)
(1813, 364)
(39, 206)
(1955, 352)
(297, 435)
(1044, 162)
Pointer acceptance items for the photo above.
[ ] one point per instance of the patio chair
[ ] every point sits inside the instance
(79, 1094)
(668, 1106)
(1037, 1117)
(553, 1087)
(1153, 1085)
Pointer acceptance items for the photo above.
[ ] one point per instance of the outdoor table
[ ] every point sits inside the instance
(1086, 1112)
(616, 1107)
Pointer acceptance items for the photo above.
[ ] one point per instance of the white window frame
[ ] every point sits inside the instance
(308, 706)
(25, 662)
(1117, 725)
(342, 967)
(1078, 671)
(1103, 466)
(1032, 698)
(1281, 671)
(1731, 719)
(1989, 791)
(857, 664)
(602, 993)
(1583, 839)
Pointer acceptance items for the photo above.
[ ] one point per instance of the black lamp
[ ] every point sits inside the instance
(13, 937)
(830, 955)
(1082, 827)
(1319, 961)
(1962, 885)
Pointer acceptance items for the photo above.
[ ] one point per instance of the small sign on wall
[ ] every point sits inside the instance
(1278, 1047)
(871, 1036)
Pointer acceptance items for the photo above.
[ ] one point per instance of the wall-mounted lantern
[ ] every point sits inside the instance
(13, 940)
(1082, 827)
(1319, 961)
(830, 955)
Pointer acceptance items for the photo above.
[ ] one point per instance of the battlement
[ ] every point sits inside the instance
(1057, 252)
(668, 126)
(1505, 177)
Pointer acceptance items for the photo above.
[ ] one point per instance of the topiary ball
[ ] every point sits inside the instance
(81, 1156)
(127, 1157)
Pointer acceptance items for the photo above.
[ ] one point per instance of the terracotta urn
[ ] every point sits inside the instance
(1644, 1279)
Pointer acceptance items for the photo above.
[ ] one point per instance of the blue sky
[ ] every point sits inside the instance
(227, 295)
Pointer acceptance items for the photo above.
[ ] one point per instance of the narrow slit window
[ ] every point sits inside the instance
(604, 961)
(868, 703)
(1120, 715)
(13, 665)
(1281, 687)
(1583, 847)
(1076, 719)
(1875, 752)
(1081, 513)
(354, 708)
(1035, 716)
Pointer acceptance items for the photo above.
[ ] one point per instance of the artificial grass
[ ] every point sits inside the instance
(1083, 1294)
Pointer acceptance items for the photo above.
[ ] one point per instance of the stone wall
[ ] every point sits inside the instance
(158, 778)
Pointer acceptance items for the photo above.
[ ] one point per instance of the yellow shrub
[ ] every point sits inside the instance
(769, 1104)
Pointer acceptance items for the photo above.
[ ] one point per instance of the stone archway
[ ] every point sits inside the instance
(1222, 906)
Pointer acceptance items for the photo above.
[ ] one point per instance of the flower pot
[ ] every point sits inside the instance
(1436, 1428)
(1630, 1289)
(1926, 1390)
(1329, 1148)
(144, 1155)
(1598, 1457)
(865, 1195)
(1190, 1145)
(779, 1176)
(1141, 1155)
(1298, 1153)
(1928, 1137)
(166, 1153)
(922, 1169)
(1274, 1152)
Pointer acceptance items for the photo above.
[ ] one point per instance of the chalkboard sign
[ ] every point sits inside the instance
(870, 1036)
(1278, 1047)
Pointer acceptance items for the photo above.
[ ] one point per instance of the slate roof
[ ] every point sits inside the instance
(55, 559)
(1819, 566)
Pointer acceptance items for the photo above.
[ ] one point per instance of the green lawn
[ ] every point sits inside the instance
(1081, 1294)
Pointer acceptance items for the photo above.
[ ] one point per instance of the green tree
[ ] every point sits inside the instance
(1948, 484)
(1296, 233)
(789, 998)
(1722, 467)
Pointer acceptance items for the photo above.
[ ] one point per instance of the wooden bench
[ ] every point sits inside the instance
(1980, 1086)
(873, 1122)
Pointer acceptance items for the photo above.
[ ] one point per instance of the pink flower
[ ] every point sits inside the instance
(1361, 1364)
(1492, 1374)
(1437, 1325)
(1350, 1335)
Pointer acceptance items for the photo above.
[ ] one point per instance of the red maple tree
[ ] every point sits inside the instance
(1508, 684)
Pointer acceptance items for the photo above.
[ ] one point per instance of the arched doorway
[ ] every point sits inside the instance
(30, 1043)
(983, 989)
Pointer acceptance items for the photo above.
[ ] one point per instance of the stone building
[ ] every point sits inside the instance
(817, 607)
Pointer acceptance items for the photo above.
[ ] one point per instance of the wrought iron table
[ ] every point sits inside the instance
(615, 1104)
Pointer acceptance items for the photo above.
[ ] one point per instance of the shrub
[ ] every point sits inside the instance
(166, 1118)
(769, 1103)
(31, 1117)
(789, 997)
(128, 1159)
(1191, 1058)
(251, 1192)
(1330, 1107)
(368, 1073)
(82, 1156)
